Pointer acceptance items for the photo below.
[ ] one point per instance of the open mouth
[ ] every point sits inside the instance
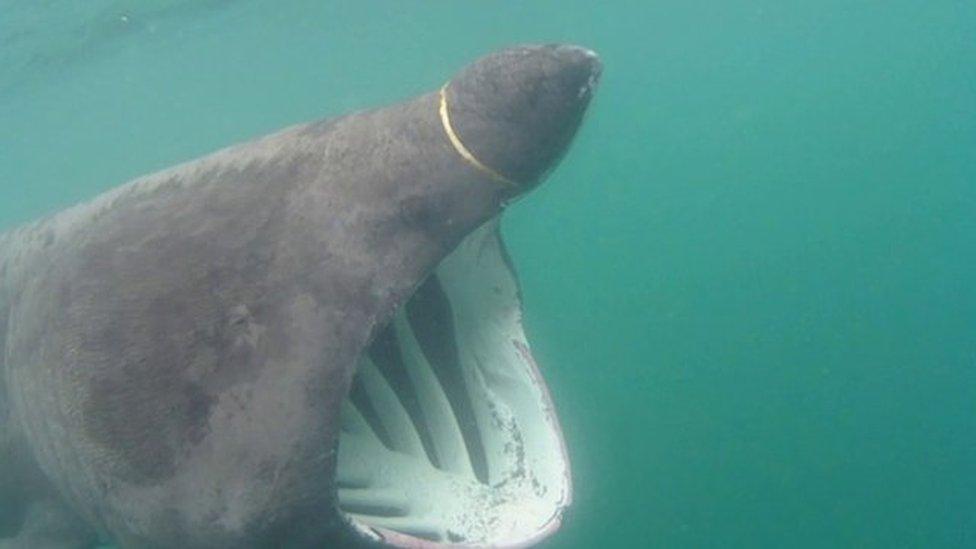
(448, 434)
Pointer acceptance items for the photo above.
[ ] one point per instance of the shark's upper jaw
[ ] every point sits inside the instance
(449, 436)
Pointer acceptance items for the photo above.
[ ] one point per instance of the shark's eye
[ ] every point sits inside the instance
(448, 434)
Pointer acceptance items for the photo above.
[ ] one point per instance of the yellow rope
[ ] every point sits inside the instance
(459, 146)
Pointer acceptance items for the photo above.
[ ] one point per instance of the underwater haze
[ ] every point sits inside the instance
(751, 284)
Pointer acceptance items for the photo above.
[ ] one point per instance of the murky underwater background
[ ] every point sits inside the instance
(752, 283)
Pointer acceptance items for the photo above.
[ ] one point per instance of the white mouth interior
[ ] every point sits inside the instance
(448, 435)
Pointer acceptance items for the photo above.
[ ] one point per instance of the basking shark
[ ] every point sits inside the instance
(312, 339)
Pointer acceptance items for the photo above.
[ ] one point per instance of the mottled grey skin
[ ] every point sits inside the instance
(175, 352)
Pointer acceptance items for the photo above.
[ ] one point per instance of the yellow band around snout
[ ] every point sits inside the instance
(459, 146)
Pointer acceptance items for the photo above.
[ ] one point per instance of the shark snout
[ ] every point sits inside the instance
(517, 110)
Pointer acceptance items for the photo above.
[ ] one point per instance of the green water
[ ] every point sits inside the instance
(752, 283)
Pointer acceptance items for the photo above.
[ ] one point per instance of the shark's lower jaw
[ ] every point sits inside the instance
(448, 434)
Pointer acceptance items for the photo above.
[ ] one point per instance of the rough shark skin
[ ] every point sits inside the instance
(175, 352)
